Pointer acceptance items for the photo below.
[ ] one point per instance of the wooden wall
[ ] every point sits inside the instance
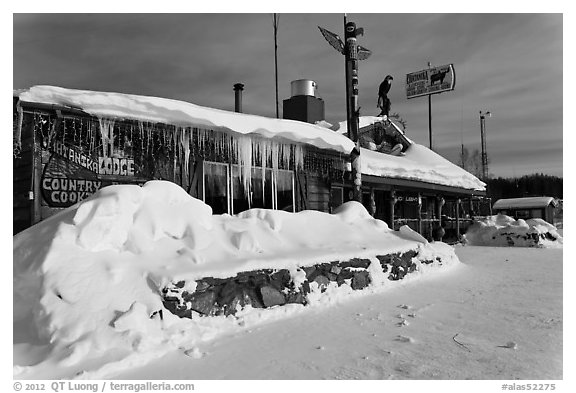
(22, 176)
(312, 193)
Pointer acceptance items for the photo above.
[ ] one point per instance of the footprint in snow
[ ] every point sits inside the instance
(194, 353)
(509, 345)
(404, 339)
(402, 322)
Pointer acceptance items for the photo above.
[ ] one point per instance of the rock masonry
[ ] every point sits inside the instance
(268, 288)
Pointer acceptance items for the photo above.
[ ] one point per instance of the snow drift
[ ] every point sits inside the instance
(502, 230)
(87, 280)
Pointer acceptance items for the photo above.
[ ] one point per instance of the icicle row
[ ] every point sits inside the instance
(246, 150)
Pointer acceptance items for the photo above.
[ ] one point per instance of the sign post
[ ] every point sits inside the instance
(434, 80)
(352, 53)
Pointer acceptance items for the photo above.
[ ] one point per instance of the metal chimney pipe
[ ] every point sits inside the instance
(238, 87)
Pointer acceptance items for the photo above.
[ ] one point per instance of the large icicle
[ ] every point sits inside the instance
(274, 154)
(141, 130)
(186, 145)
(107, 136)
(298, 157)
(244, 154)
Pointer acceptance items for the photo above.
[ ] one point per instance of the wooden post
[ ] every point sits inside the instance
(419, 213)
(372, 203)
(458, 219)
(36, 178)
(391, 202)
(440, 203)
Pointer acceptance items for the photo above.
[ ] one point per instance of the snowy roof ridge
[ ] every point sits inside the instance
(181, 113)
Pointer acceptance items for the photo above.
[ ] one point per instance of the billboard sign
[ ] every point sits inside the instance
(430, 81)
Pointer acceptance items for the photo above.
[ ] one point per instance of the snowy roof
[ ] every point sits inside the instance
(519, 203)
(416, 163)
(421, 164)
(168, 111)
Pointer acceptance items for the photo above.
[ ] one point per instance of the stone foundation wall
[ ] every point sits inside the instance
(267, 288)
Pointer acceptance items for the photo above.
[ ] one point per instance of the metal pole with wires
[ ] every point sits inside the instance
(430, 114)
(276, 20)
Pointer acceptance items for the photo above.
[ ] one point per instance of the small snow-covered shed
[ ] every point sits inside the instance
(529, 207)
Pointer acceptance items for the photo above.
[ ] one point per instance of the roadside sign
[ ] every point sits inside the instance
(430, 81)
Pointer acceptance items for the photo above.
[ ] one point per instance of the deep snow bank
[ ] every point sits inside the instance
(87, 281)
(502, 230)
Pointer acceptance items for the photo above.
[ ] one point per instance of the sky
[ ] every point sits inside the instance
(509, 64)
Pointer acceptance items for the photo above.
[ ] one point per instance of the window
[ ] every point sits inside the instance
(216, 188)
(523, 214)
(336, 196)
(224, 189)
(285, 191)
(537, 213)
(261, 189)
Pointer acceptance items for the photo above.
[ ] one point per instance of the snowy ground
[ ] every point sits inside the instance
(503, 305)
(86, 294)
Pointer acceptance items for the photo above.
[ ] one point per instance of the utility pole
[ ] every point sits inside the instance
(276, 19)
(430, 113)
(352, 53)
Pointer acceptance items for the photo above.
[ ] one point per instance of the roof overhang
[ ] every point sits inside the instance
(418, 186)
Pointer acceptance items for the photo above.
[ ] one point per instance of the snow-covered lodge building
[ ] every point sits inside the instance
(70, 143)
